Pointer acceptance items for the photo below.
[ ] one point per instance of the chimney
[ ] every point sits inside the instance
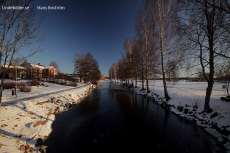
(39, 64)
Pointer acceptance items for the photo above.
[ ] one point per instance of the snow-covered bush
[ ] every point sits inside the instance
(34, 83)
(10, 85)
(25, 89)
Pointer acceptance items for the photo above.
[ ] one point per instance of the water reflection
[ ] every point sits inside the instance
(113, 119)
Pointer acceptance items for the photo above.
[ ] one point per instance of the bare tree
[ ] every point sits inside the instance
(18, 61)
(224, 6)
(18, 29)
(86, 67)
(206, 30)
(146, 44)
(113, 72)
(136, 64)
(55, 65)
(102, 77)
(128, 57)
(172, 71)
(166, 21)
(122, 72)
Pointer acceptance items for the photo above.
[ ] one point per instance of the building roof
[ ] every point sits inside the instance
(36, 66)
(13, 66)
(48, 67)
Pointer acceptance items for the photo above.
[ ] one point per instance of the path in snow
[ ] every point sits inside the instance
(37, 96)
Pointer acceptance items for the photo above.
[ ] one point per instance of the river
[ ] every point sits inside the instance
(113, 119)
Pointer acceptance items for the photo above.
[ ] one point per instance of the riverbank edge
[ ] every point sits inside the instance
(43, 122)
(219, 133)
(66, 107)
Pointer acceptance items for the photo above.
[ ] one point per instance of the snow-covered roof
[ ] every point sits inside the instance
(37, 66)
(13, 66)
(48, 67)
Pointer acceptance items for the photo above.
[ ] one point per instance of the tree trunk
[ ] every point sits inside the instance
(147, 85)
(210, 24)
(142, 82)
(227, 87)
(165, 89)
(136, 83)
(163, 68)
(1, 87)
(208, 97)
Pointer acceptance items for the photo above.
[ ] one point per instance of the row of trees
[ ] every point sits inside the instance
(86, 67)
(173, 34)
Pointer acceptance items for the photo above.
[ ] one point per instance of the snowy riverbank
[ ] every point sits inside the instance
(23, 122)
(187, 100)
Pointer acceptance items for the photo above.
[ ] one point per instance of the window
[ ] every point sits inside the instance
(40, 75)
(40, 70)
(35, 75)
(35, 70)
(10, 74)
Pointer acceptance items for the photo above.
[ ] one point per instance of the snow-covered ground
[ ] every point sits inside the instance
(23, 122)
(32, 114)
(185, 96)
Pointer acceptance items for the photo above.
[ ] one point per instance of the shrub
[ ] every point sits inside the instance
(34, 83)
(10, 85)
(74, 85)
(25, 89)
(21, 84)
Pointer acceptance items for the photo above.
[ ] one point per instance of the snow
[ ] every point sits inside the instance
(190, 94)
(29, 116)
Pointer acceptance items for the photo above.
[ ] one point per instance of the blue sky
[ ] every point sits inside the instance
(96, 26)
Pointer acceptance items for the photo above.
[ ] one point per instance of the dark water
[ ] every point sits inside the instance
(112, 119)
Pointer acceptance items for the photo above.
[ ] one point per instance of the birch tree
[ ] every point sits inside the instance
(113, 72)
(166, 20)
(128, 46)
(145, 37)
(207, 30)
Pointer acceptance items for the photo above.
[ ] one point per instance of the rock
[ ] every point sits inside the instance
(214, 115)
(53, 100)
(67, 105)
(39, 142)
(224, 131)
(225, 98)
(180, 108)
(186, 110)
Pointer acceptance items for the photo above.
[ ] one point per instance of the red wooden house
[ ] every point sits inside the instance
(38, 71)
(13, 71)
(49, 72)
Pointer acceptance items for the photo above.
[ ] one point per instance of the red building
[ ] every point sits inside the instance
(49, 72)
(11, 71)
(38, 71)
